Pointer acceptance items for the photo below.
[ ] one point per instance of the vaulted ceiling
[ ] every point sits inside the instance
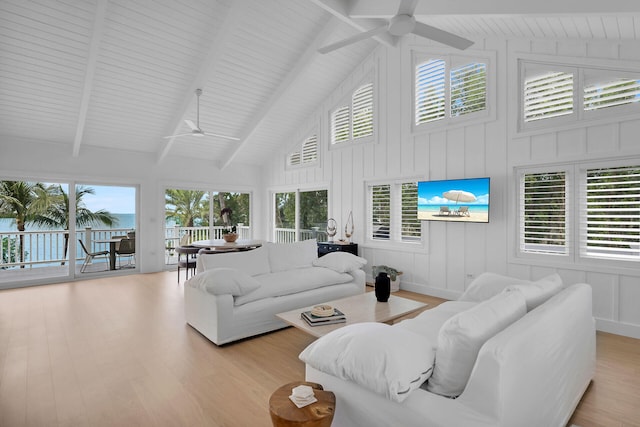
(122, 74)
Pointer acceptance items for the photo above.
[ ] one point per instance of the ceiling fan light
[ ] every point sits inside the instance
(400, 25)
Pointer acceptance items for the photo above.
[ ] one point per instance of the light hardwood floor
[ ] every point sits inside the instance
(117, 352)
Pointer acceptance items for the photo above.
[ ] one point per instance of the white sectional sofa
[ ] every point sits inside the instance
(522, 357)
(237, 294)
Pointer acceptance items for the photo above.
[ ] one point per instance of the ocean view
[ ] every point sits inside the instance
(127, 220)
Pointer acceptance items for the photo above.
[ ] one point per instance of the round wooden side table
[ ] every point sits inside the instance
(284, 413)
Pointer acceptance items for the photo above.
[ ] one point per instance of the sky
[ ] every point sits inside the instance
(430, 192)
(116, 200)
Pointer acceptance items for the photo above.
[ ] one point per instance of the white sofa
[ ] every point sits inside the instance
(531, 373)
(237, 294)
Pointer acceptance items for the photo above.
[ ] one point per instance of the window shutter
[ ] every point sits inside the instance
(468, 89)
(612, 227)
(362, 111)
(430, 99)
(543, 213)
(611, 94)
(548, 95)
(294, 158)
(380, 221)
(340, 125)
(310, 149)
(411, 229)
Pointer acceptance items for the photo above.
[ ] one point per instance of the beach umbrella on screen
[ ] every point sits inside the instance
(459, 196)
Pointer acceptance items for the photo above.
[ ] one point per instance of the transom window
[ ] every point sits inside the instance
(353, 121)
(449, 88)
(306, 154)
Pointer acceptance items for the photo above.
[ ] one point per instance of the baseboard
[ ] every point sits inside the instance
(618, 328)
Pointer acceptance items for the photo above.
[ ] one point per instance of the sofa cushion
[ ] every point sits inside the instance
(293, 281)
(389, 361)
(287, 256)
(429, 322)
(252, 262)
(536, 293)
(487, 285)
(342, 262)
(462, 336)
(224, 281)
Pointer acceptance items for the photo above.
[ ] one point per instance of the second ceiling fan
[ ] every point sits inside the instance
(401, 24)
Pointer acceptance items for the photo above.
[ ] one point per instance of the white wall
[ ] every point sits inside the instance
(455, 253)
(27, 160)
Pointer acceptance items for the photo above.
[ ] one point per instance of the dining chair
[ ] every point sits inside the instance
(89, 257)
(126, 248)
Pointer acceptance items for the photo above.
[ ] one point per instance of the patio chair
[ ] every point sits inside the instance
(89, 256)
(126, 248)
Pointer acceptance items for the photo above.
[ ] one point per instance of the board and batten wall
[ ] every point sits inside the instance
(452, 254)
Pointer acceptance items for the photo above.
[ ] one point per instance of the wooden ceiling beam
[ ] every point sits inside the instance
(89, 74)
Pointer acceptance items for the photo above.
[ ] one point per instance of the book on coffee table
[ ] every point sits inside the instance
(313, 320)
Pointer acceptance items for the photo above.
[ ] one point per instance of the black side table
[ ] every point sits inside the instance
(326, 247)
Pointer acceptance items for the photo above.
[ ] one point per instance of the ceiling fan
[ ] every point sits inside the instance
(401, 24)
(195, 127)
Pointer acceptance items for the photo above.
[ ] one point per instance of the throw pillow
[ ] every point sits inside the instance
(224, 281)
(462, 336)
(386, 360)
(287, 256)
(342, 262)
(487, 285)
(538, 292)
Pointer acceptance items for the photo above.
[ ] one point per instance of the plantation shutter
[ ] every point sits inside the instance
(340, 125)
(362, 111)
(468, 89)
(548, 95)
(543, 213)
(610, 94)
(310, 149)
(411, 229)
(294, 158)
(430, 91)
(380, 220)
(612, 225)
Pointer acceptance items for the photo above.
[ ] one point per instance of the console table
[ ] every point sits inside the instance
(326, 247)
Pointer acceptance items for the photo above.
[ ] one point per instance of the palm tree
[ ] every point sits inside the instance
(22, 201)
(57, 212)
(186, 205)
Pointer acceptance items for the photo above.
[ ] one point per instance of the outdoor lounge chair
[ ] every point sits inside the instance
(463, 211)
(444, 210)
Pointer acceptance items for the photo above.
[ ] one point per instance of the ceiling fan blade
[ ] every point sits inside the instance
(407, 7)
(441, 36)
(221, 136)
(175, 136)
(353, 39)
(191, 125)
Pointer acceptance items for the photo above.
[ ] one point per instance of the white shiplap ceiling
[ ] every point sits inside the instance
(121, 74)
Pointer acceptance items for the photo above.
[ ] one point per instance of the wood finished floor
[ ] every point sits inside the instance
(117, 352)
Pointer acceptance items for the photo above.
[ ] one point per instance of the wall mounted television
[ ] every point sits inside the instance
(455, 200)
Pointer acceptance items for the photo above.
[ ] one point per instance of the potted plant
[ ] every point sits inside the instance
(229, 231)
(394, 275)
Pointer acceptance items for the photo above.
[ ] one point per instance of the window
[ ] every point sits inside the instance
(562, 94)
(543, 212)
(393, 212)
(355, 120)
(307, 154)
(607, 221)
(300, 215)
(464, 81)
(612, 225)
(548, 95)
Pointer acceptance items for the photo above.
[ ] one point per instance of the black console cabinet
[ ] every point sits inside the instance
(326, 247)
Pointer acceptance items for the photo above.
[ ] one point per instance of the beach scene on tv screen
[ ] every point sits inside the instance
(465, 200)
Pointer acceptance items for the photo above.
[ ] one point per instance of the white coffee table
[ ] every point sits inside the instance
(358, 308)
